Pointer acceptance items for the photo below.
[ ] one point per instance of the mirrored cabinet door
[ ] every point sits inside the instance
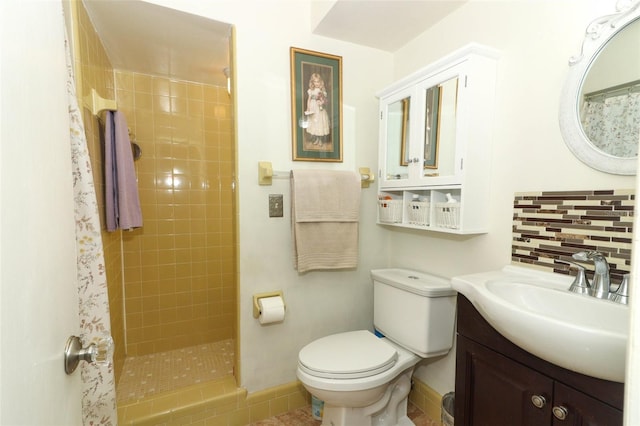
(439, 144)
(397, 134)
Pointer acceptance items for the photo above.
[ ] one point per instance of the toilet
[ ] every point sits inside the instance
(363, 378)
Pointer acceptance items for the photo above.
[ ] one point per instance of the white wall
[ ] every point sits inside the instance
(318, 303)
(536, 39)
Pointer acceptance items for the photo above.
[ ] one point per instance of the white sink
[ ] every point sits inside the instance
(535, 311)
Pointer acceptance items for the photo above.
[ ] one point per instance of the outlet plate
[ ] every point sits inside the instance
(275, 205)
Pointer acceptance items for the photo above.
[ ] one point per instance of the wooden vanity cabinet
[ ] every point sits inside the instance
(500, 384)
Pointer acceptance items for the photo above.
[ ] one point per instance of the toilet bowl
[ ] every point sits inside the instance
(354, 392)
(364, 379)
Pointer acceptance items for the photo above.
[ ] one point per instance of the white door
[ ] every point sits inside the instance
(38, 298)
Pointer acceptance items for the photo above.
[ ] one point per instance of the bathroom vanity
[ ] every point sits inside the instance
(435, 144)
(498, 383)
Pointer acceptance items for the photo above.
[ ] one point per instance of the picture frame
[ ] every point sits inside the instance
(316, 106)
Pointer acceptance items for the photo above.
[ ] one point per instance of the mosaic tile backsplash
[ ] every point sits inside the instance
(550, 226)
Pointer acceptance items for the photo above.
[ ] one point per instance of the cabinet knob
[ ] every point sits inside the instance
(538, 401)
(560, 412)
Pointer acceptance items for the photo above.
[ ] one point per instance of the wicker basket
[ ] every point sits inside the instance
(390, 211)
(448, 215)
(419, 213)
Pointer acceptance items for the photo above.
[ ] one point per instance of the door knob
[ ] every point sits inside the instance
(76, 351)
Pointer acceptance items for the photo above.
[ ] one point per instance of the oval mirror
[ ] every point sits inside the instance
(600, 101)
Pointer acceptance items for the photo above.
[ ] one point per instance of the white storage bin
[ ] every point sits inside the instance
(448, 215)
(419, 212)
(390, 211)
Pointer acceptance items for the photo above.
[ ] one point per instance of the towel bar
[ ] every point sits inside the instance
(366, 177)
(98, 104)
(266, 174)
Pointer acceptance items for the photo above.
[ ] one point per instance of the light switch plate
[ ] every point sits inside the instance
(275, 205)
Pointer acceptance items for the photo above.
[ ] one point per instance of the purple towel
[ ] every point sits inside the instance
(121, 187)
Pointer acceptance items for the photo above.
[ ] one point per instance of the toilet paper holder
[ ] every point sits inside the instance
(256, 297)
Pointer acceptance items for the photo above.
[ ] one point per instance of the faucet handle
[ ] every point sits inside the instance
(580, 284)
(622, 293)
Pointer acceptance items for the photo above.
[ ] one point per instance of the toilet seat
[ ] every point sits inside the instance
(349, 355)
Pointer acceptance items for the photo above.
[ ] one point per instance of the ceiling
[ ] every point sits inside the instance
(147, 38)
(383, 24)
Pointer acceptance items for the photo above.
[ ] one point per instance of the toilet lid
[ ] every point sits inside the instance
(347, 355)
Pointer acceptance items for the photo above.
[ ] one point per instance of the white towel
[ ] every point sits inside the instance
(325, 208)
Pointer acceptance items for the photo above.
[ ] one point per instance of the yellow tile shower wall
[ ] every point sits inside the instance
(93, 70)
(179, 269)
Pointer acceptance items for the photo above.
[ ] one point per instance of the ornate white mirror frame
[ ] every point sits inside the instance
(597, 35)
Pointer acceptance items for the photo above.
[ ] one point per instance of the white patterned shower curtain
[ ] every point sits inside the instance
(98, 382)
(612, 124)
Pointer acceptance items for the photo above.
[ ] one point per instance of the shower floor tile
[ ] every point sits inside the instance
(147, 375)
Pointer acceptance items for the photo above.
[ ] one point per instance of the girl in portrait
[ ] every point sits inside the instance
(316, 112)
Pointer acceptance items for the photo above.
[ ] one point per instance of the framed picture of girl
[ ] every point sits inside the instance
(316, 106)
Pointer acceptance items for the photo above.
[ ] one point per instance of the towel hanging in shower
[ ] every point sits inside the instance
(122, 202)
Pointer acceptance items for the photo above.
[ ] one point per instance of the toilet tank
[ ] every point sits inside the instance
(414, 309)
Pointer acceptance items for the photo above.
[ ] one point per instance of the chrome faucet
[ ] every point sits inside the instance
(600, 286)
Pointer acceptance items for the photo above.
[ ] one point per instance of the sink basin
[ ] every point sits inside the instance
(535, 311)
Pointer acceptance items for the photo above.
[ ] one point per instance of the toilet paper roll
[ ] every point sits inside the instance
(271, 310)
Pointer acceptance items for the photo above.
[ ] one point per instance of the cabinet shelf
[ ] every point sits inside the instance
(428, 209)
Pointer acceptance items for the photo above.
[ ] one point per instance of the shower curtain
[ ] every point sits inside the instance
(612, 124)
(98, 381)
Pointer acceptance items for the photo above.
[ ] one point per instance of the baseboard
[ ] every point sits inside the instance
(426, 399)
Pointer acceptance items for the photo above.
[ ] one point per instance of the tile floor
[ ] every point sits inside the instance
(147, 375)
(302, 417)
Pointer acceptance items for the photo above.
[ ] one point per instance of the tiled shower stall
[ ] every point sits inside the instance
(172, 283)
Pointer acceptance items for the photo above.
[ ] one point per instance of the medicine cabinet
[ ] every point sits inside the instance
(435, 144)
